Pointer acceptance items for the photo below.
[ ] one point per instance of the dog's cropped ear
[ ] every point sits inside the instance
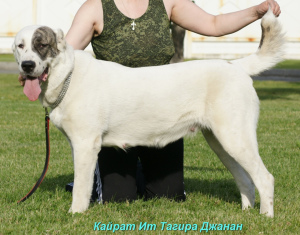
(60, 38)
(13, 48)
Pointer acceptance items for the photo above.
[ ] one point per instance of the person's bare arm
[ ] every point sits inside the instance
(188, 15)
(86, 24)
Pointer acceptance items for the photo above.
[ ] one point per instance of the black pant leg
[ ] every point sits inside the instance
(118, 174)
(163, 171)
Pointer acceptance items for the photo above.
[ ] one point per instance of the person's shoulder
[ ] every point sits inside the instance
(92, 11)
(170, 4)
(92, 3)
(91, 8)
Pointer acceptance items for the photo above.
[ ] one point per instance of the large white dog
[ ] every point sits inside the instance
(98, 103)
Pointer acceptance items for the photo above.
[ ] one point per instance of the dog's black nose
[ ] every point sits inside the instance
(28, 66)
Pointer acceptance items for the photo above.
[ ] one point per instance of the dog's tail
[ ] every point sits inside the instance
(270, 50)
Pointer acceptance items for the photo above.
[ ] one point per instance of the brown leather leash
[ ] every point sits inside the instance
(37, 184)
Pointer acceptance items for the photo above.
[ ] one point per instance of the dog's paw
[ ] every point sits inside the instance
(73, 211)
(77, 209)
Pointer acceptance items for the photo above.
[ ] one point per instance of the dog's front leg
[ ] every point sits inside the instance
(85, 158)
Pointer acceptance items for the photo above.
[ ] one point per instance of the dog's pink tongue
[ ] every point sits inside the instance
(32, 89)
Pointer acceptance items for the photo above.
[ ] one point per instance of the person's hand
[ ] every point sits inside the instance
(21, 80)
(262, 8)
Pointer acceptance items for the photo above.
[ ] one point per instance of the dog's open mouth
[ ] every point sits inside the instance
(42, 77)
(32, 87)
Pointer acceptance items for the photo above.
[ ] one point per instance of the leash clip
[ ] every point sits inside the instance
(47, 118)
(46, 112)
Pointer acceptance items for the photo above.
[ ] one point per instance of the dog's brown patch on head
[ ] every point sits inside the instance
(44, 43)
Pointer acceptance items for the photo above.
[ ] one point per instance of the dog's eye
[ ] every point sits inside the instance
(43, 45)
(21, 46)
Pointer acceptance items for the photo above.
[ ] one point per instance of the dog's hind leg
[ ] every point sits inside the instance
(241, 145)
(242, 178)
(85, 158)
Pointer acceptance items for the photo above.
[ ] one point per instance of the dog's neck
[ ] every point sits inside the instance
(61, 68)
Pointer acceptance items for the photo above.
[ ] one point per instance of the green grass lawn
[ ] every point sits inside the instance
(289, 64)
(7, 58)
(211, 192)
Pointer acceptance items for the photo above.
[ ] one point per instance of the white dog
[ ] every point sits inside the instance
(98, 103)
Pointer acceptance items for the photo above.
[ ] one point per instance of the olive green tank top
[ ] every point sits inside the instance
(147, 42)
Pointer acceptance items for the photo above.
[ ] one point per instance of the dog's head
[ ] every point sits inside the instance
(35, 48)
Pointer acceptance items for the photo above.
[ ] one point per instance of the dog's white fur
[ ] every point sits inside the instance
(108, 104)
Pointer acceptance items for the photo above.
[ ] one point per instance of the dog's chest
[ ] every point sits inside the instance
(56, 118)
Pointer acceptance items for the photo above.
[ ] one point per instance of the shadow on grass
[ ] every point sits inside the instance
(202, 169)
(224, 189)
(51, 184)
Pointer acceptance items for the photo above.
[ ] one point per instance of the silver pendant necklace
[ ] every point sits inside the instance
(133, 24)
